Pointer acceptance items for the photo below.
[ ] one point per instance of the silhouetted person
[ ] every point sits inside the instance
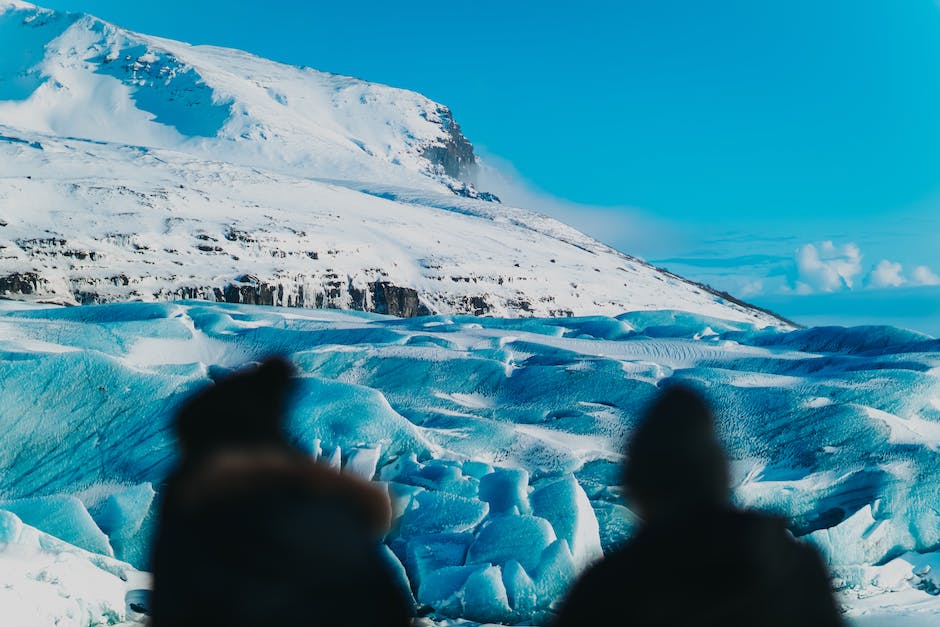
(254, 533)
(696, 560)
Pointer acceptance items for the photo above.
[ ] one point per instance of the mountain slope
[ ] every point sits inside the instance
(133, 167)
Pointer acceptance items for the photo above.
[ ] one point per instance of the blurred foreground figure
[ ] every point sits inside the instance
(696, 560)
(254, 533)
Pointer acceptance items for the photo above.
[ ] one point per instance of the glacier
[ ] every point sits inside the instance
(498, 440)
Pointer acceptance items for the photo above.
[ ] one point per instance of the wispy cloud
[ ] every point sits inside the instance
(627, 229)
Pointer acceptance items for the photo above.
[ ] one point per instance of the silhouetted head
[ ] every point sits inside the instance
(252, 532)
(674, 460)
(245, 409)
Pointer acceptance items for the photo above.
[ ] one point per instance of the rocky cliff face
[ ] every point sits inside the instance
(378, 297)
(453, 153)
(452, 157)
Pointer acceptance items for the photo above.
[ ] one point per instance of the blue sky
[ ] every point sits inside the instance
(718, 139)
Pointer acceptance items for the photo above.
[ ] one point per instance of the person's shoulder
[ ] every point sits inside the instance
(794, 566)
(756, 526)
(612, 564)
(278, 475)
(582, 600)
(599, 590)
(769, 535)
(756, 519)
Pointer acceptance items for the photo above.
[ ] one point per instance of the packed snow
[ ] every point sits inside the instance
(498, 440)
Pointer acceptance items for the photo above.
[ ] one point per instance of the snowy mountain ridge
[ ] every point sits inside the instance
(139, 168)
(79, 76)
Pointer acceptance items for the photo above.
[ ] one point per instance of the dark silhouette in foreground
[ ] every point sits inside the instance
(253, 532)
(696, 560)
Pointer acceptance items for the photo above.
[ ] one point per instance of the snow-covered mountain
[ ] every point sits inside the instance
(134, 167)
(74, 75)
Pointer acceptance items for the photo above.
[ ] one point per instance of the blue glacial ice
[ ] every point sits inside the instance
(498, 440)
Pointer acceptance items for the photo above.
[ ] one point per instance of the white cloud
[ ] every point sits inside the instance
(827, 267)
(923, 275)
(886, 274)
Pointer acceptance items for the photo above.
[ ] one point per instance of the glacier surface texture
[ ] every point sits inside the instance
(498, 440)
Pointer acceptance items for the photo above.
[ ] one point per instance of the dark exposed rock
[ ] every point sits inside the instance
(454, 156)
(80, 254)
(40, 242)
(521, 304)
(357, 296)
(468, 191)
(20, 283)
(190, 292)
(396, 301)
(381, 296)
(367, 291)
(455, 153)
(476, 305)
(235, 235)
(247, 289)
